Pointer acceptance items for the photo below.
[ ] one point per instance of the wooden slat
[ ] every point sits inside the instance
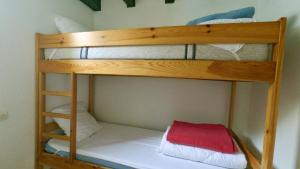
(56, 93)
(51, 127)
(56, 115)
(56, 136)
(232, 105)
(252, 160)
(260, 32)
(73, 123)
(272, 103)
(62, 163)
(194, 69)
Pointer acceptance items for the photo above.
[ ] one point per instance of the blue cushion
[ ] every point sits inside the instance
(240, 13)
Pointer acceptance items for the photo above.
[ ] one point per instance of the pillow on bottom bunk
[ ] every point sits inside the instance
(234, 161)
(86, 124)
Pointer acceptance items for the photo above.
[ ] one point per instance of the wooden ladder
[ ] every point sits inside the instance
(42, 132)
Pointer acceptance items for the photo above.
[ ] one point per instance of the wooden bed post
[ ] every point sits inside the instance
(232, 104)
(91, 102)
(39, 102)
(272, 103)
(73, 116)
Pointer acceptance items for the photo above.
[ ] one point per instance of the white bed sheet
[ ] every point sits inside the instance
(134, 147)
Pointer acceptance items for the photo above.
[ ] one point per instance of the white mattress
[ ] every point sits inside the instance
(258, 52)
(134, 147)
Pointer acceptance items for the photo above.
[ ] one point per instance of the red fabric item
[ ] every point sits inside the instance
(209, 136)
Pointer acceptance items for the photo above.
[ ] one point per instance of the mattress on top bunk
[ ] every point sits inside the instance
(123, 147)
(255, 52)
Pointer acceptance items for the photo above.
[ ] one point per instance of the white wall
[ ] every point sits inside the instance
(20, 20)
(287, 150)
(154, 102)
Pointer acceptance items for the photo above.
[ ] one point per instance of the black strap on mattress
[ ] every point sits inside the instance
(194, 51)
(87, 53)
(81, 49)
(186, 52)
(84, 50)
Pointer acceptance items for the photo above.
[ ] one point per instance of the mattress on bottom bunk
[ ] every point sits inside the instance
(123, 147)
(257, 52)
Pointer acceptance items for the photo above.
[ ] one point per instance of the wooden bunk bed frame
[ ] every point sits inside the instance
(234, 71)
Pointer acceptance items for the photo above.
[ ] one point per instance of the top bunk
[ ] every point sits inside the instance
(177, 52)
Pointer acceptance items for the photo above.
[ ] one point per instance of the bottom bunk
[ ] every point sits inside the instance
(123, 147)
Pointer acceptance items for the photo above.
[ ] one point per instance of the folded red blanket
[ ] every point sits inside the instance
(209, 136)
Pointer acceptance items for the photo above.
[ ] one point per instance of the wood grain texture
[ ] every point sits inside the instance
(253, 161)
(196, 69)
(63, 163)
(57, 115)
(91, 90)
(42, 101)
(51, 127)
(272, 103)
(232, 105)
(73, 127)
(259, 32)
(56, 93)
(269, 71)
(56, 136)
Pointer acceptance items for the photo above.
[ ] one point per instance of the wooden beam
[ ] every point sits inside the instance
(56, 136)
(259, 32)
(91, 91)
(130, 3)
(189, 69)
(73, 123)
(38, 84)
(170, 1)
(273, 101)
(93, 4)
(56, 115)
(56, 93)
(232, 105)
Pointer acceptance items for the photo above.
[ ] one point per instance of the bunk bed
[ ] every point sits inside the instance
(163, 40)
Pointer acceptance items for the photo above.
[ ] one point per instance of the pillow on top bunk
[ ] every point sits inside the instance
(67, 25)
(86, 124)
(240, 13)
(233, 48)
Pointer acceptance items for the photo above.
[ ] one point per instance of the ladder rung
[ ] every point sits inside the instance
(57, 115)
(56, 93)
(56, 136)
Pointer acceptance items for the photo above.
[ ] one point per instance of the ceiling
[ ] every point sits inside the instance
(96, 4)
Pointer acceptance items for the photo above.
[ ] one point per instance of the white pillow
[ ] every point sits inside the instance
(86, 124)
(233, 48)
(67, 25)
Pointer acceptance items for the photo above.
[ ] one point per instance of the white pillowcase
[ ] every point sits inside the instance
(86, 124)
(67, 25)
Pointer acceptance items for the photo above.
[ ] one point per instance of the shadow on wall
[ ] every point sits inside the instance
(290, 100)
